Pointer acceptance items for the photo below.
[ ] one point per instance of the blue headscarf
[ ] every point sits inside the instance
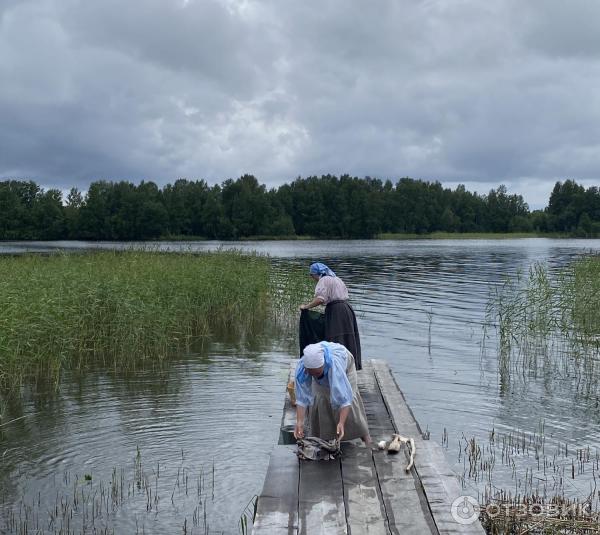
(302, 376)
(321, 269)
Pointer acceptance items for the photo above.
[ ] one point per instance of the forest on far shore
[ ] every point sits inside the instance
(320, 207)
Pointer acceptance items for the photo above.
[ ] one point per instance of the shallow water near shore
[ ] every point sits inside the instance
(216, 412)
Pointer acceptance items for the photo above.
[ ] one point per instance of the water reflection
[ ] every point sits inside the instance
(202, 411)
(421, 307)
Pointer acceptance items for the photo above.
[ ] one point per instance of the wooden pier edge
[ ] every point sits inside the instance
(367, 490)
(440, 483)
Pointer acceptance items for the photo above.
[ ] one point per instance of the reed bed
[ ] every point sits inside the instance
(129, 309)
(566, 302)
(526, 482)
(83, 503)
(290, 287)
(520, 463)
(548, 341)
(548, 323)
(534, 516)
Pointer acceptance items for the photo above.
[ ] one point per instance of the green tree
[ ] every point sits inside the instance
(566, 204)
(72, 208)
(246, 206)
(450, 222)
(48, 216)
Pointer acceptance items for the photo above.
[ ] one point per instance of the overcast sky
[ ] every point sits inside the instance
(480, 92)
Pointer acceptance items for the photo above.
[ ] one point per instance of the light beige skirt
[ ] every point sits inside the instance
(324, 418)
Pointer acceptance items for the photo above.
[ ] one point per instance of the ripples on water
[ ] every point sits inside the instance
(421, 307)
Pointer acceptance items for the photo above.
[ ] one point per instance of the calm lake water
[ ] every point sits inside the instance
(214, 416)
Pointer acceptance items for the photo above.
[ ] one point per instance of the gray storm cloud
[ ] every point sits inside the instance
(480, 93)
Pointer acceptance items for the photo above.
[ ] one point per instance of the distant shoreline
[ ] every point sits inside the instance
(378, 237)
(393, 236)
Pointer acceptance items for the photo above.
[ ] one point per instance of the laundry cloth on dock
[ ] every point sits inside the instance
(316, 449)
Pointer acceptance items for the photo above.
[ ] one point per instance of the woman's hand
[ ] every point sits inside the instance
(344, 411)
(314, 303)
(299, 431)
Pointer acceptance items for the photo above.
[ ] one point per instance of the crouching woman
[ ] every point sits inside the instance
(326, 384)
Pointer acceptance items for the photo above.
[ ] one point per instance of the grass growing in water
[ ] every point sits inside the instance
(552, 488)
(550, 322)
(126, 309)
(568, 302)
(84, 503)
(582, 298)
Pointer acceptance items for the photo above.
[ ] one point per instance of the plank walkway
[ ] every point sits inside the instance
(366, 491)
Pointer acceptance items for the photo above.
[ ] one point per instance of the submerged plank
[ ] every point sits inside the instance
(440, 484)
(321, 509)
(277, 506)
(365, 513)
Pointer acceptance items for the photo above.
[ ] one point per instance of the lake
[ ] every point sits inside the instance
(204, 428)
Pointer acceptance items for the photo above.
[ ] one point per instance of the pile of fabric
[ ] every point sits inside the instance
(315, 449)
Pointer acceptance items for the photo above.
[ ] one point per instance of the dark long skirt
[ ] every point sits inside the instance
(341, 327)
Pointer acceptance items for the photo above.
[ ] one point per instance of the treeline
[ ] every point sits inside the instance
(326, 206)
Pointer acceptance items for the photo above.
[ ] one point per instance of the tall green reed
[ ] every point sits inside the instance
(550, 321)
(127, 309)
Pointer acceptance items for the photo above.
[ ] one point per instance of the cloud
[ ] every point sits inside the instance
(563, 29)
(475, 92)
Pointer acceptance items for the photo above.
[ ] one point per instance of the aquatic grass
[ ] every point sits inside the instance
(290, 287)
(85, 503)
(127, 309)
(581, 298)
(548, 327)
(567, 302)
(528, 482)
(549, 322)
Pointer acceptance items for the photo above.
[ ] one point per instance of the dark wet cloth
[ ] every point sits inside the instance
(315, 449)
(311, 329)
(338, 324)
(341, 327)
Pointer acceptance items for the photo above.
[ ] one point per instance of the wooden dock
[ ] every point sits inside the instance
(366, 491)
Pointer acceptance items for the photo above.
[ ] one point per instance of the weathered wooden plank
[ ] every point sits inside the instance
(365, 513)
(282, 474)
(439, 482)
(403, 419)
(380, 423)
(406, 508)
(321, 509)
(401, 493)
(277, 506)
(442, 488)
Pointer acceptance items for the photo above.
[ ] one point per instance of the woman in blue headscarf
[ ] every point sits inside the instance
(326, 382)
(339, 319)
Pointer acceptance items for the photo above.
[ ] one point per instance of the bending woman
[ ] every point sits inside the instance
(326, 382)
(340, 319)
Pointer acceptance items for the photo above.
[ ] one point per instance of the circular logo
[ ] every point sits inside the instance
(465, 510)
